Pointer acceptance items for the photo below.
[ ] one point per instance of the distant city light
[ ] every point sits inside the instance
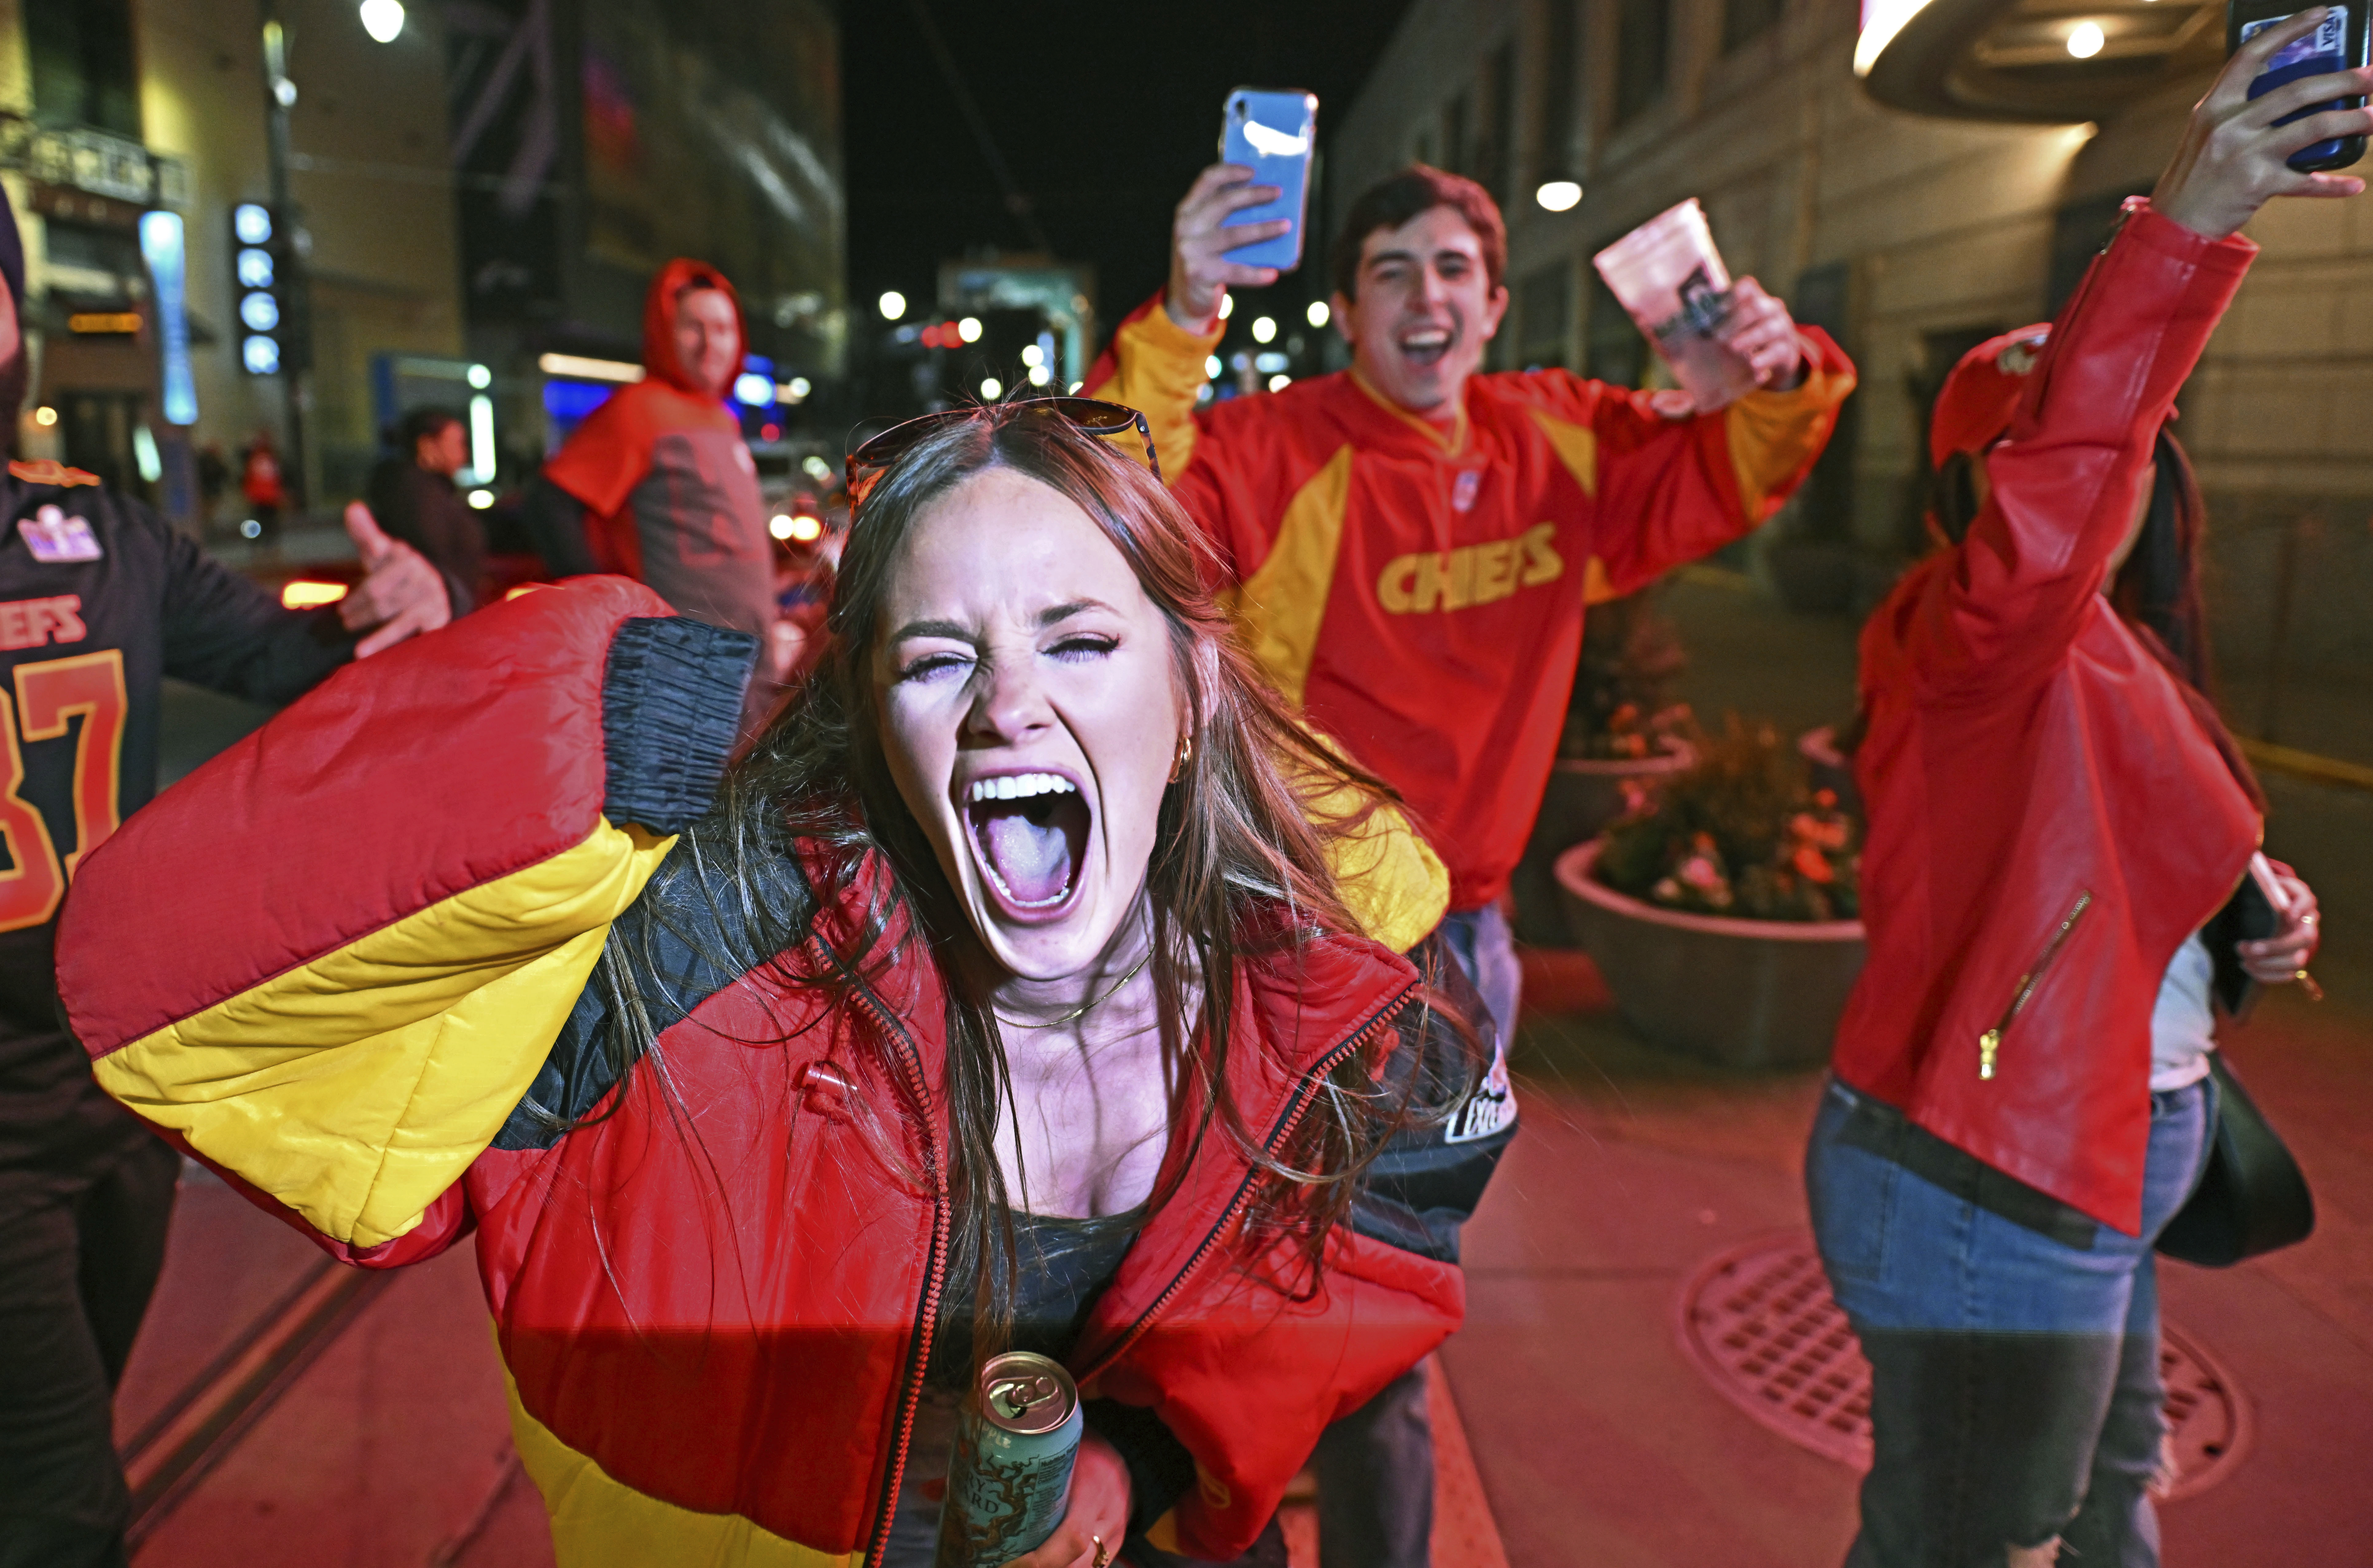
(779, 525)
(577, 368)
(482, 444)
(1040, 375)
(45, 416)
(1269, 364)
(990, 389)
(285, 91)
(1263, 329)
(1227, 306)
(259, 311)
(481, 378)
(261, 355)
(255, 269)
(382, 20)
(807, 529)
(1279, 383)
(1032, 354)
(1557, 195)
(1077, 385)
(753, 390)
(817, 468)
(970, 329)
(770, 431)
(482, 499)
(303, 594)
(892, 304)
(250, 529)
(2085, 39)
(1211, 367)
(794, 389)
(1318, 313)
(251, 223)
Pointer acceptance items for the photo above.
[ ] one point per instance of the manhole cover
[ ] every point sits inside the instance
(1759, 1322)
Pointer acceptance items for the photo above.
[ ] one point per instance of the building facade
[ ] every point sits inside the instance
(1909, 236)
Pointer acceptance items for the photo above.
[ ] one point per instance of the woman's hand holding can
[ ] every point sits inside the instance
(1097, 1519)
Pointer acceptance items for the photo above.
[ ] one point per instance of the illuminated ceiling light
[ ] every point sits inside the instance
(1318, 314)
(990, 388)
(1263, 329)
(1882, 19)
(382, 20)
(1557, 195)
(970, 329)
(2085, 39)
(892, 304)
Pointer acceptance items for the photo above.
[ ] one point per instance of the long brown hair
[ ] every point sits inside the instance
(1239, 872)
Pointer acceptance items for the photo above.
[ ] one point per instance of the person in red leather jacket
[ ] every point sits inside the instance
(2021, 1097)
(1004, 996)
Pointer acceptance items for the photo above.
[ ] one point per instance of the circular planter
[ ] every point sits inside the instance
(1585, 793)
(1740, 993)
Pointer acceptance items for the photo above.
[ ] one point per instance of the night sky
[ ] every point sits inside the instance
(1104, 114)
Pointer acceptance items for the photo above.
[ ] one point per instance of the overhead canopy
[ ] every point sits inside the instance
(2041, 61)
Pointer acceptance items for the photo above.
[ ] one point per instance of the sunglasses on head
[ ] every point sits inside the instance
(1110, 422)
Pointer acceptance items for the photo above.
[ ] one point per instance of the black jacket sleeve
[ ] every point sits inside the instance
(227, 634)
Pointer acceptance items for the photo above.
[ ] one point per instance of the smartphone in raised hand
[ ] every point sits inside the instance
(2338, 43)
(1275, 134)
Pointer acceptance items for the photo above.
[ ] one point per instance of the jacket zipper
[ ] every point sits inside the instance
(1296, 1108)
(919, 1352)
(1990, 1042)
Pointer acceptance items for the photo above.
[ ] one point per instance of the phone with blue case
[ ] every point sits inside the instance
(1274, 134)
(2337, 43)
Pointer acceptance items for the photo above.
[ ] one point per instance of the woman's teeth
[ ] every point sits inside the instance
(1020, 786)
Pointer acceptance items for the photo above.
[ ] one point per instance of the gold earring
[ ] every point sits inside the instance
(1186, 750)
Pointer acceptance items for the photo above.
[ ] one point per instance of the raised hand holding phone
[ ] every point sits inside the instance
(1201, 235)
(2235, 154)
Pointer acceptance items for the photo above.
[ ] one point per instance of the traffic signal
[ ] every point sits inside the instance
(262, 289)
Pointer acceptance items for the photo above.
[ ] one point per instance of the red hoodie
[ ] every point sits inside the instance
(670, 484)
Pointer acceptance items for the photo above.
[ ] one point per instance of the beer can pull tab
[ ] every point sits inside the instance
(1015, 1398)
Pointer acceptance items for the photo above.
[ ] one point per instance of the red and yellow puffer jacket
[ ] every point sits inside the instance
(364, 940)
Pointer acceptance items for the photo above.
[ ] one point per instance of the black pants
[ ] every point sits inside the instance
(79, 1255)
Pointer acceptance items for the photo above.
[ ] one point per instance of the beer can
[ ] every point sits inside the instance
(1009, 1472)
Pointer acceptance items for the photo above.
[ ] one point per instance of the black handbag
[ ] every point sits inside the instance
(2254, 1197)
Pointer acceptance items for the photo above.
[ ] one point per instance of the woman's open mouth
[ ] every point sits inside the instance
(1030, 835)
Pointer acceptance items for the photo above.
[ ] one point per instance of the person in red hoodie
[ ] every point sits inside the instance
(658, 484)
(2056, 890)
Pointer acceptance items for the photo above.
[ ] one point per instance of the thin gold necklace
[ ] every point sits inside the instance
(1084, 1008)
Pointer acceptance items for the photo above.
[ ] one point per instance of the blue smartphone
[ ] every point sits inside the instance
(1275, 135)
(2337, 43)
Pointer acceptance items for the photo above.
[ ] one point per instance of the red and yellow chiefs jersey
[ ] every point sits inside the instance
(1418, 591)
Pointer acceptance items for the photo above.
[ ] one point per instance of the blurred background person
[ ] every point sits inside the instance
(414, 497)
(261, 483)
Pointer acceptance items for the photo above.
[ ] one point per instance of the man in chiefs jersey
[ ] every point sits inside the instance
(1408, 547)
(99, 601)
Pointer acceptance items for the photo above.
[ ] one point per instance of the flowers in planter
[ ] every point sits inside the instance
(1621, 707)
(1742, 833)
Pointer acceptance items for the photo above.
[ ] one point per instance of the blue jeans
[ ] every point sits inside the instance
(1486, 950)
(2013, 1342)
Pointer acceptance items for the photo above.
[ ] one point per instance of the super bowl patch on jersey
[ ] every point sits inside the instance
(57, 539)
(1492, 1107)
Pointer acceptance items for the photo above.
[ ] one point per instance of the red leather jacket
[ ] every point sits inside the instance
(716, 1298)
(2047, 820)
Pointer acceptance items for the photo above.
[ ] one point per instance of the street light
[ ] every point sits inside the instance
(1263, 329)
(382, 20)
(894, 305)
(1558, 195)
(970, 329)
(2085, 39)
(1318, 313)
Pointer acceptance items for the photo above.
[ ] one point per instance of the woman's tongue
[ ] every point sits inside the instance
(1032, 858)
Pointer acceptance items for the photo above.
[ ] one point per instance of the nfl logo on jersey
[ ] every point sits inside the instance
(55, 539)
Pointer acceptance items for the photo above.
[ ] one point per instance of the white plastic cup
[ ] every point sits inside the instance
(1672, 283)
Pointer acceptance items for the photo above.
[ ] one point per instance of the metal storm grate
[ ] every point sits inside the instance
(1758, 1320)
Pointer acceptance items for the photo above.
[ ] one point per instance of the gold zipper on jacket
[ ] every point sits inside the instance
(1990, 1042)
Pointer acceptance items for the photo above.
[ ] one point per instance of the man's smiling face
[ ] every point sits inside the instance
(1427, 306)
